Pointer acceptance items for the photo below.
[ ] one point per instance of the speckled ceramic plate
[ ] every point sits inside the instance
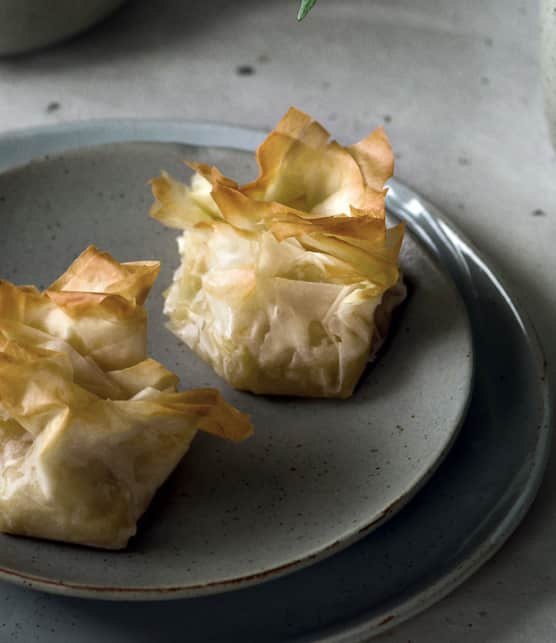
(317, 475)
(467, 510)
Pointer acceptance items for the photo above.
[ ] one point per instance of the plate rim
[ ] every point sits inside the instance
(365, 627)
(354, 629)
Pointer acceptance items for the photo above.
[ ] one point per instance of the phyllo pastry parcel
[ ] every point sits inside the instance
(286, 284)
(90, 427)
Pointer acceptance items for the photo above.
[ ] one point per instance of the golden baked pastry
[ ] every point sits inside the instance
(90, 427)
(286, 284)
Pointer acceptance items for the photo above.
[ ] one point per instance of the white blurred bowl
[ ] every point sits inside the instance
(30, 24)
(548, 62)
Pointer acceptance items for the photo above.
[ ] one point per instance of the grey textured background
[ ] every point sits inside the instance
(457, 86)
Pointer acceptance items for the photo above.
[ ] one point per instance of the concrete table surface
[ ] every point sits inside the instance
(457, 86)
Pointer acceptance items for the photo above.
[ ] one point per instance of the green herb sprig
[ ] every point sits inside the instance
(305, 7)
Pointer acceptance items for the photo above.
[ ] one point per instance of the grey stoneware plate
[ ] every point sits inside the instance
(317, 474)
(455, 523)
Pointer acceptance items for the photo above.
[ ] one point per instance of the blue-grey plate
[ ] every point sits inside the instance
(316, 475)
(454, 524)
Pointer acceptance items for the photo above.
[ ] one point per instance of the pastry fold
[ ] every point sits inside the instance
(283, 280)
(90, 426)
